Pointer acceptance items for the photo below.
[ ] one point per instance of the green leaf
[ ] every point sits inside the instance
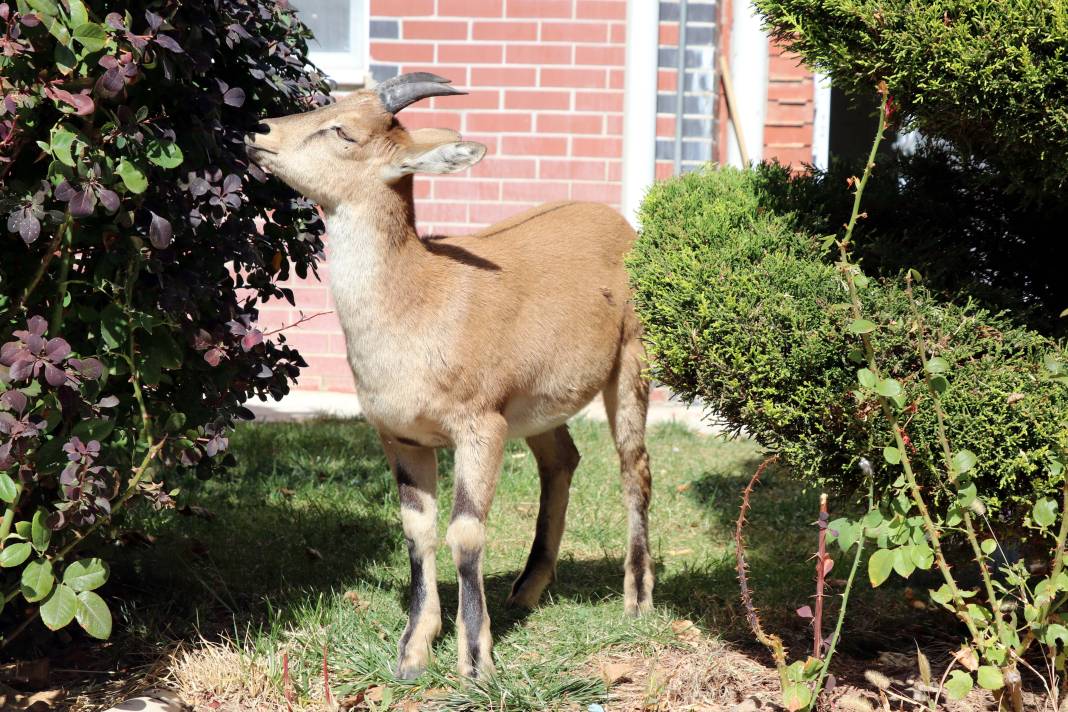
(91, 36)
(892, 455)
(990, 677)
(937, 365)
(942, 595)
(8, 490)
(796, 696)
(847, 533)
(939, 384)
(922, 555)
(860, 326)
(132, 177)
(24, 529)
(45, 7)
(888, 388)
(903, 563)
(866, 378)
(37, 580)
(93, 429)
(1051, 634)
(113, 326)
(40, 534)
(165, 154)
(93, 615)
(1044, 513)
(880, 565)
(78, 14)
(966, 495)
(14, 554)
(963, 461)
(958, 685)
(86, 574)
(59, 609)
(62, 144)
(988, 546)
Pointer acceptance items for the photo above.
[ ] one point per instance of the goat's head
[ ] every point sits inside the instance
(334, 154)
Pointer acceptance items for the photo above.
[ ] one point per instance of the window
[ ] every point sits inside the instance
(340, 44)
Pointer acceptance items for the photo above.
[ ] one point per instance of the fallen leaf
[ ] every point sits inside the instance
(967, 658)
(374, 693)
(686, 631)
(313, 554)
(354, 598)
(612, 673)
(286, 492)
(1014, 398)
(679, 552)
(683, 487)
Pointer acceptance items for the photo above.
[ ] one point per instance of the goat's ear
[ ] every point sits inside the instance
(443, 158)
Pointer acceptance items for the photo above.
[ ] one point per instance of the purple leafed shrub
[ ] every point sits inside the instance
(139, 243)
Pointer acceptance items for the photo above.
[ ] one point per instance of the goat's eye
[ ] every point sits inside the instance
(344, 136)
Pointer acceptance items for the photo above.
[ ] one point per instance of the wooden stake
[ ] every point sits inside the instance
(732, 108)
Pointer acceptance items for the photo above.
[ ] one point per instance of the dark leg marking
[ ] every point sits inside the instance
(463, 504)
(416, 595)
(409, 493)
(471, 603)
(637, 565)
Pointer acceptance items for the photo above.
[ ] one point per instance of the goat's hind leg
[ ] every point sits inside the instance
(416, 472)
(626, 398)
(557, 459)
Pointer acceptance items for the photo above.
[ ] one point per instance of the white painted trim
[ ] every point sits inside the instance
(350, 68)
(639, 104)
(821, 121)
(749, 71)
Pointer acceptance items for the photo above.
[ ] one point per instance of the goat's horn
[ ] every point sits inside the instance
(400, 91)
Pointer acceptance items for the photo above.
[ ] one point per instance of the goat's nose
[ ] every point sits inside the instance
(262, 127)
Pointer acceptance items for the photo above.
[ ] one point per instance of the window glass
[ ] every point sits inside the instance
(329, 20)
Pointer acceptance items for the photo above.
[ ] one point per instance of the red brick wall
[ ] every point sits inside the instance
(789, 122)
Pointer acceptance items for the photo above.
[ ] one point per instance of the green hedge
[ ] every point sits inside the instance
(740, 309)
(989, 76)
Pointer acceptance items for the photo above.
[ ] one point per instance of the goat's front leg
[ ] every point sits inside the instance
(478, 463)
(416, 472)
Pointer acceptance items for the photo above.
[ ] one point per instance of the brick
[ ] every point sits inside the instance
(474, 99)
(613, 124)
(534, 146)
(338, 384)
(665, 126)
(788, 113)
(482, 30)
(432, 210)
(538, 8)
(669, 34)
(597, 147)
(461, 189)
(572, 169)
(308, 343)
(401, 8)
(470, 8)
(788, 135)
(504, 76)
(578, 78)
(615, 79)
(666, 80)
(470, 53)
(537, 100)
(789, 90)
(539, 54)
(664, 170)
(535, 191)
(434, 30)
(609, 56)
(570, 123)
(498, 122)
(490, 141)
(496, 167)
(598, 101)
(789, 156)
(489, 213)
(615, 171)
(401, 52)
(601, 10)
(573, 32)
(596, 192)
(332, 365)
(617, 34)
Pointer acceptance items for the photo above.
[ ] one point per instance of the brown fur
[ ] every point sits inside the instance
(468, 341)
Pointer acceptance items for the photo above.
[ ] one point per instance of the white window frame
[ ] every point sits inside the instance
(348, 69)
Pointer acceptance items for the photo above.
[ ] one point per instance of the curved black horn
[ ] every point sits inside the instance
(398, 92)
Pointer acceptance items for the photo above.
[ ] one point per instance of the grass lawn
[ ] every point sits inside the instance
(301, 549)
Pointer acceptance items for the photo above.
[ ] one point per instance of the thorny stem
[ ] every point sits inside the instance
(821, 577)
(771, 642)
(45, 261)
(833, 643)
(947, 454)
(846, 268)
(67, 254)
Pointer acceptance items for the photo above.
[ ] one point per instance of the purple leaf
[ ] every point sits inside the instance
(234, 97)
(231, 183)
(169, 43)
(265, 372)
(57, 349)
(89, 368)
(29, 227)
(109, 199)
(198, 186)
(213, 356)
(30, 20)
(154, 20)
(37, 325)
(83, 203)
(804, 612)
(251, 339)
(115, 21)
(108, 402)
(15, 400)
(54, 376)
(111, 82)
(64, 191)
(159, 232)
(82, 103)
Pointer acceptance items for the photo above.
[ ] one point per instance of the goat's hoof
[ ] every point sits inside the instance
(410, 672)
(524, 598)
(636, 609)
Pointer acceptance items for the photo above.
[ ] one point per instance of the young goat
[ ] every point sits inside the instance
(468, 341)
